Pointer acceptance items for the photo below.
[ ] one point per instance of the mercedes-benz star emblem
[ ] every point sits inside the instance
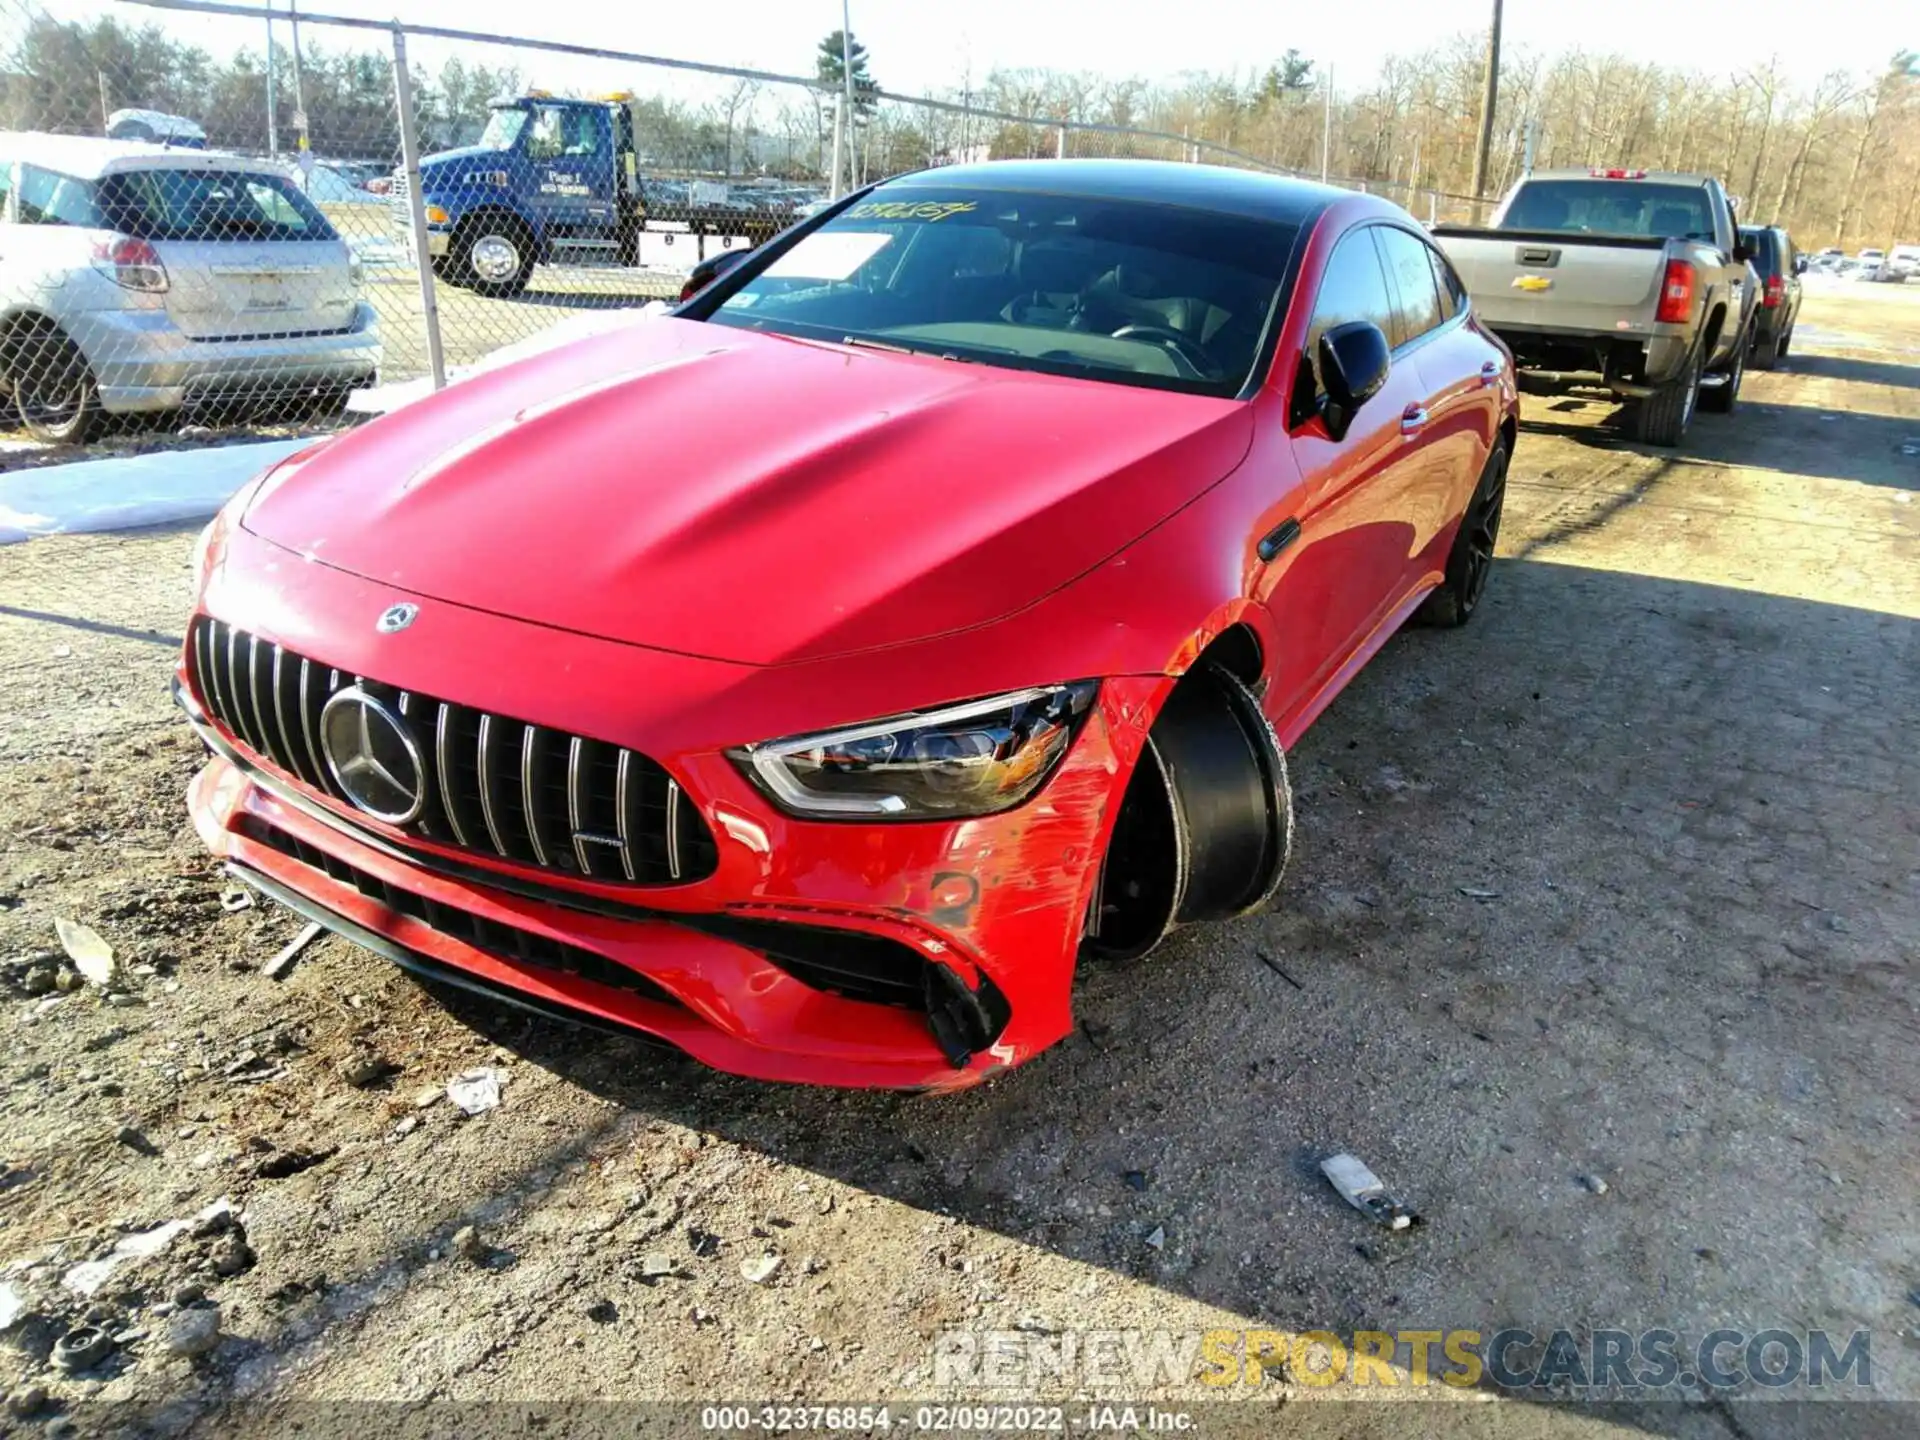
(395, 618)
(373, 756)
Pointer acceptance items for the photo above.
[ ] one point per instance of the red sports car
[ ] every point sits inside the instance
(813, 677)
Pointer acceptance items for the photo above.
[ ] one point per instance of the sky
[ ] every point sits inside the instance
(917, 46)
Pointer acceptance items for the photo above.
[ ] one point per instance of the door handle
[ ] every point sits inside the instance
(1490, 372)
(1413, 419)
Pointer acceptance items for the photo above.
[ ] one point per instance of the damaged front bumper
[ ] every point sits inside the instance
(766, 971)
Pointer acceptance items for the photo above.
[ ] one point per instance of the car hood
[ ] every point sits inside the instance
(745, 497)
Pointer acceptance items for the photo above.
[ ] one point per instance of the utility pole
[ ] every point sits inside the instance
(1488, 99)
(846, 83)
(273, 122)
(106, 105)
(299, 92)
(1326, 131)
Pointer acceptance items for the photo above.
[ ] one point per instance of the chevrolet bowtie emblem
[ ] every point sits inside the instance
(1532, 282)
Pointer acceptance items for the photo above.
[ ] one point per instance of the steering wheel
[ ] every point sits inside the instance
(1189, 350)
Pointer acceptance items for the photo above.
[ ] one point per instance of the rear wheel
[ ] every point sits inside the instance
(1663, 417)
(329, 402)
(1786, 342)
(494, 256)
(1722, 398)
(1767, 350)
(1470, 561)
(54, 393)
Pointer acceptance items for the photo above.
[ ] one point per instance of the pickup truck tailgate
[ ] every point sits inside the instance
(1555, 282)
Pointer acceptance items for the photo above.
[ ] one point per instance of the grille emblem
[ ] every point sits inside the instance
(396, 618)
(373, 756)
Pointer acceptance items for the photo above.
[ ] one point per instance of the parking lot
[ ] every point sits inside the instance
(1599, 947)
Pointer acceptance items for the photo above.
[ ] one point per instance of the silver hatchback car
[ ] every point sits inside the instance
(138, 278)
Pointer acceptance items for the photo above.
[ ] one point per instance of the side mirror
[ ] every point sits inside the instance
(1353, 363)
(710, 270)
(1741, 254)
(1799, 264)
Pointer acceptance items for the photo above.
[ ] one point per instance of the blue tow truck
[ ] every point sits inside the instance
(558, 181)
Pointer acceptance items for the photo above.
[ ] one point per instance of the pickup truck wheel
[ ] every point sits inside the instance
(1721, 399)
(1662, 418)
(495, 257)
(1470, 560)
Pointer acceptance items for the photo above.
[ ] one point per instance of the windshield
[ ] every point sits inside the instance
(210, 205)
(1611, 207)
(1125, 291)
(503, 129)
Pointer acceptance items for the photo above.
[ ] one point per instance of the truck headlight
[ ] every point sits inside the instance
(962, 760)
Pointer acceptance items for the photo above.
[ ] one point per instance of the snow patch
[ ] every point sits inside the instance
(130, 491)
(171, 486)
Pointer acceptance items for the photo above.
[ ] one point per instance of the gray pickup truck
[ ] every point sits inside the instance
(1631, 280)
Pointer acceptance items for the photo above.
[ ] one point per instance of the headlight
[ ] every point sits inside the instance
(971, 759)
(203, 548)
(435, 215)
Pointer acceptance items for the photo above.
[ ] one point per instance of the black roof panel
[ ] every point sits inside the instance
(1246, 193)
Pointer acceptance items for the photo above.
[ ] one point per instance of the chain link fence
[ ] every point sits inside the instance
(353, 204)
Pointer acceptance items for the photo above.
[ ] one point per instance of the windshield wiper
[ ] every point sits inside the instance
(865, 344)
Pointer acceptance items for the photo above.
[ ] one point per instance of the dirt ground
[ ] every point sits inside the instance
(1599, 947)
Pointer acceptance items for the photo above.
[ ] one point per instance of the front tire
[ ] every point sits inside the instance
(1663, 417)
(1205, 827)
(54, 393)
(494, 257)
(1470, 561)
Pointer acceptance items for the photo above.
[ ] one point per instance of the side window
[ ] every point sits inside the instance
(1354, 288)
(1453, 294)
(50, 199)
(1417, 296)
(583, 132)
(546, 137)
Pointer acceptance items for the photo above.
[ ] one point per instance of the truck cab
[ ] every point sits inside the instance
(557, 180)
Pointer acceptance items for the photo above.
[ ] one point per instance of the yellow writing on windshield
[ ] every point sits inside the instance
(909, 209)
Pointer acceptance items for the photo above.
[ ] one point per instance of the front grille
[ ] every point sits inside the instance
(494, 786)
(504, 942)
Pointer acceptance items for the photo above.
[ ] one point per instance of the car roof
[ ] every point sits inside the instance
(1651, 177)
(85, 157)
(1247, 193)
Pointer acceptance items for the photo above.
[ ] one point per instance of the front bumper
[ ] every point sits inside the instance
(143, 362)
(710, 966)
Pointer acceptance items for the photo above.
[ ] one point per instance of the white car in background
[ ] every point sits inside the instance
(140, 278)
(1904, 260)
